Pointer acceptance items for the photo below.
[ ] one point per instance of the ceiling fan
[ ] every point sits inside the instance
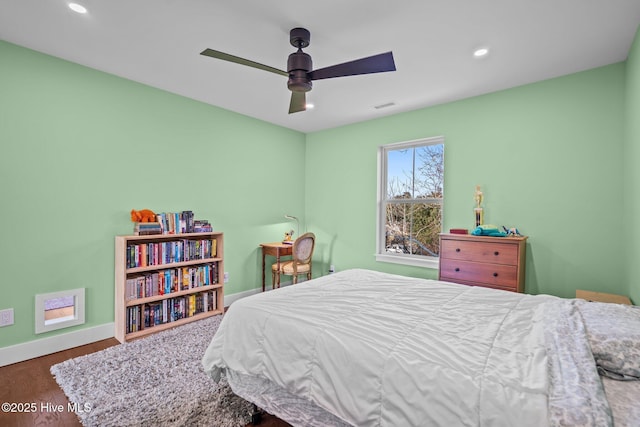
(299, 67)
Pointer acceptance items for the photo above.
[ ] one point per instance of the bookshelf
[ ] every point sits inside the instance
(166, 280)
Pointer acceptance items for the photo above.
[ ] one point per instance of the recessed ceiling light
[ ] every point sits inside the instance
(77, 8)
(309, 106)
(479, 53)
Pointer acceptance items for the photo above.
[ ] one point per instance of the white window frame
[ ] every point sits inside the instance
(381, 254)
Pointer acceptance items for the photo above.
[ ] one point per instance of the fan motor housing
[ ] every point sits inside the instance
(299, 82)
(298, 65)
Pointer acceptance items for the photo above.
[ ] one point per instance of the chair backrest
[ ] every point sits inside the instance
(303, 248)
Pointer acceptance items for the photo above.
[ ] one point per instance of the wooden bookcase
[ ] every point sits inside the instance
(163, 281)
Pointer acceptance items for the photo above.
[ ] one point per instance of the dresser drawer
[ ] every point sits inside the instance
(489, 252)
(498, 275)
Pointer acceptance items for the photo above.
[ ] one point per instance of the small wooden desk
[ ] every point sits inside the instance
(276, 249)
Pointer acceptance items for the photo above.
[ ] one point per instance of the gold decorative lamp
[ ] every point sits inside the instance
(297, 224)
(479, 211)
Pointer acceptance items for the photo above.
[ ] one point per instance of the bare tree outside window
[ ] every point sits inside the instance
(413, 198)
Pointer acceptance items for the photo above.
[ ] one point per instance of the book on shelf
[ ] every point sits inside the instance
(133, 319)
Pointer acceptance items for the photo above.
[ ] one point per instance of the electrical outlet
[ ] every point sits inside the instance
(226, 277)
(6, 317)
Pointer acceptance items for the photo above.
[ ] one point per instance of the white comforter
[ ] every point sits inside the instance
(376, 349)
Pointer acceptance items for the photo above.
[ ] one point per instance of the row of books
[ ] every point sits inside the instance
(170, 280)
(149, 315)
(176, 222)
(182, 222)
(158, 253)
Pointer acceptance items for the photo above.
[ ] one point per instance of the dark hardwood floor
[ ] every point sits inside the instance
(29, 385)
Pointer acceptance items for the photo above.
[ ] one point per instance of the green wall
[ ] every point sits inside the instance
(632, 173)
(81, 148)
(547, 155)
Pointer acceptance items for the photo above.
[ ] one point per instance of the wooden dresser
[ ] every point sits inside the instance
(492, 262)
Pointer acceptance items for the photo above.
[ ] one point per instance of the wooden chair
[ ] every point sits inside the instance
(302, 252)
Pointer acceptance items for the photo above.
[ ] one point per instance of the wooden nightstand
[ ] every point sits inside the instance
(492, 262)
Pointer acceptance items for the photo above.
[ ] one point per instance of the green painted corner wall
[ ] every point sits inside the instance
(631, 170)
(548, 157)
(81, 148)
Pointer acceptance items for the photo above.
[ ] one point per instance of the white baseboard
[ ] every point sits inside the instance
(41, 347)
(230, 299)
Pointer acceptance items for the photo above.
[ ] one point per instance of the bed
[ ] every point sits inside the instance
(365, 348)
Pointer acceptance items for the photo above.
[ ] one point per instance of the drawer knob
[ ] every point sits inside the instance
(457, 249)
(457, 269)
(496, 253)
(495, 274)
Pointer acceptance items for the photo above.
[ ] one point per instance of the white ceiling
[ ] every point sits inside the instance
(157, 42)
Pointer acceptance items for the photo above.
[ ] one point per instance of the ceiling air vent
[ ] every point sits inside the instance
(387, 105)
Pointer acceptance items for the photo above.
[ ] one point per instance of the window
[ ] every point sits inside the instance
(410, 194)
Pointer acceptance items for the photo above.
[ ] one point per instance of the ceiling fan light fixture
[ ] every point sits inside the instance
(481, 52)
(78, 8)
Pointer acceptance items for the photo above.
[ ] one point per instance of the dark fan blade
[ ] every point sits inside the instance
(371, 64)
(298, 102)
(226, 57)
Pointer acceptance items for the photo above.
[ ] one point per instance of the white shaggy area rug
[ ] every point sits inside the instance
(154, 381)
